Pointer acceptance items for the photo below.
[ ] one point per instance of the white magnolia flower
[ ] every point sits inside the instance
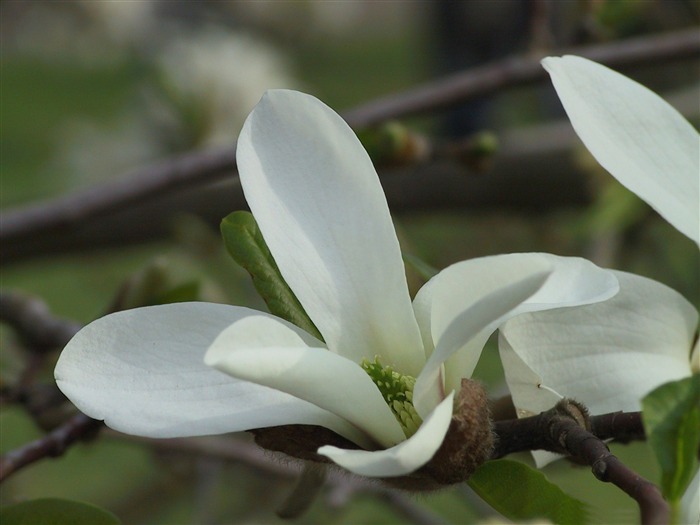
(611, 354)
(197, 368)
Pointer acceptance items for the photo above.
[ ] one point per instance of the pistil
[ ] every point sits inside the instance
(397, 390)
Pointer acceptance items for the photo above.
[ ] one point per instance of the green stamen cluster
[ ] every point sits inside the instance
(397, 390)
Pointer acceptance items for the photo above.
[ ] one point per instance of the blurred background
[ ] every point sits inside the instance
(92, 90)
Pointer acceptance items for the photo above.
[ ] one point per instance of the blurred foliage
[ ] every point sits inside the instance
(522, 493)
(54, 511)
(37, 97)
(672, 424)
(40, 95)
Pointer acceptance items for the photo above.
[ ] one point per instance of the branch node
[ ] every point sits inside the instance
(600, 469)
(576, 411)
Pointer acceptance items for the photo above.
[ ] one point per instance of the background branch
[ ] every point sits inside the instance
(520, 71)
(128, 210)
(32, 320)
(340, 486)
(53, 444)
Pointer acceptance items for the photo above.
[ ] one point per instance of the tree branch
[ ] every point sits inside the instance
(239, 451)
(520, 71)
(63, 213)
(307, 489)
(621, 426)
(46, 219)
(53, 444)
(567, 429)
(38, 328)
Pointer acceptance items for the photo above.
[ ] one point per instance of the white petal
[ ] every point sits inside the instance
(322, 211)
(516, 286)
(403, 458)
(690, 503)
(142, 371)
(316, 375)
(607, 355)
(635, 135)
(573, 281)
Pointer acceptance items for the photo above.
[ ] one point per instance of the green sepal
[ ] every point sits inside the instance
(245, 243)
(55, 511)
(671, 416)
(522, 493)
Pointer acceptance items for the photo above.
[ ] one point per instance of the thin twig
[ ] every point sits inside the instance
(410, 510)
(306, 490)
(53, 444)
(247, 453)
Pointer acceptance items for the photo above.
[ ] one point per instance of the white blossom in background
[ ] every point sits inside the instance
(609, 355)
(199, 368)
(88, 151)
(85, 32)
(123, 23)
(218, 76)
(198, 103)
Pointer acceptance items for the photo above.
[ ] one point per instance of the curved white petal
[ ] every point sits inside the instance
(635, 135)
(573, 281)
(521, 283)
(142, 371)
(316, 375)
(607, 355)
(690, 502)
(405, 457)
(320, 207)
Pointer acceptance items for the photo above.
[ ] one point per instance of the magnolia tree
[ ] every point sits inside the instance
(347, 373)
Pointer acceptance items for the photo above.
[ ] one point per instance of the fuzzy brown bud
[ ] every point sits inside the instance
(467, 445)
(469, 440)
(300, 441)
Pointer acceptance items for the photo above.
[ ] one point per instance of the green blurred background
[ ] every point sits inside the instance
(92, 89)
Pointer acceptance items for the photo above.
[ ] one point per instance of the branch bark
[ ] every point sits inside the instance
(53, 444)
(568, 429)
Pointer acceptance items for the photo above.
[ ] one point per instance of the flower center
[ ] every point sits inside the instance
(397, 390)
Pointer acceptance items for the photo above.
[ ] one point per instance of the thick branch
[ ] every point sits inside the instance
(607, 467)
(621, 426)
(567, 429)
(63, 213)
